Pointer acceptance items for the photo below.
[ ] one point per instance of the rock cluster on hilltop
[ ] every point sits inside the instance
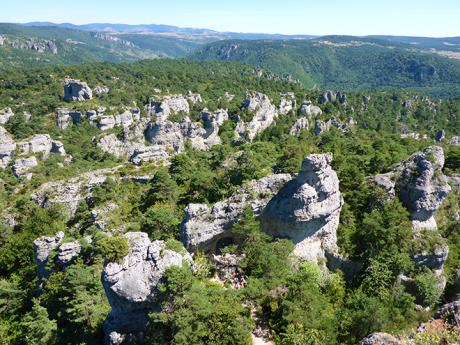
(288, 103)
(307, 209)
(308, 109)
(76, 91)
(130, 285)
(333, 97)
(264, 112)
(324, 126)
(299, 125)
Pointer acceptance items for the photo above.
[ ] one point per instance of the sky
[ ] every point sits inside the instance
(434, 18)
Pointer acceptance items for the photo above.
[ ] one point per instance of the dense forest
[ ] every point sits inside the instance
(293, 301)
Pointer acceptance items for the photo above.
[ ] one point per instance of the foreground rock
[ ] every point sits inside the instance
(307, 209)
(168, 105)
(380, 339)
(76, 91)
(205, 226)
(5, 115)
(7, 148)
(131, 286)
(308, 109)
(42, 249)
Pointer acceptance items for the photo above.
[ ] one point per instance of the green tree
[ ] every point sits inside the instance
(38, 328)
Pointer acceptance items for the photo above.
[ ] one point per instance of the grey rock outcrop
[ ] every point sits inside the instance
(194, 97)
(454, 141)
(57, 147)
(124, 119)
(101, 89)
(63, 118)
(5, 115)
(203, 226)
(76, 91)
(7, 148)
(171, 104)
(333, 97)
(105, 122)
(67, 252)
(380, 339)
(440, 136)
(287, 103)
(131, 285)
(264, 112)
(450, 312)
(39, 143)
(42, 249)
(307, 209)
(308, 109)
(298, 126)
(23, 165)
(324, 126)
(413, 135)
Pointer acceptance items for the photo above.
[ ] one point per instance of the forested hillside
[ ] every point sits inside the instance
(185, 202)
(344, 62)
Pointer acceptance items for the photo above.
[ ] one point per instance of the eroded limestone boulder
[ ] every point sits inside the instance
(380, 339)
(67, 252)
(203, 226)
(23, 165)
(168, 105)
(131, 285)
(76, 91)
(307, 209)
(288, 103)
(308, 109)
(7, 148)
(5, 115)
(42, 249)
(63, 118)
(299, 126)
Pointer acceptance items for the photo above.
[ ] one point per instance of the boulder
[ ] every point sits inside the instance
(63, 118)
(298, 126)
(131, 285)
(265, 114)
(380, 339)
(440, 136)
(308, 109)
(7, 148)
(171, 104)
(333, 97)
(5, 115)
(57, 147)
(39, 143)
(422, 186)
(287, 103)
(42, 249)
(101, 89)
(203, 226)
(67, 252)
(165, 133)
(78, 117)
(212, 122)
(124, 119)
(153, 153)
(450, 312)
(23, 165)
(324, 126)
(454, 141)
(76, 91)
(307, 209)
(194, 97)
(105, 122)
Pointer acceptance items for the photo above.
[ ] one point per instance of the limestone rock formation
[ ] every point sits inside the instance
(23, 165)
(422, 186)
(307, 209)
(7, 148)
(76, 91)
(333, 97)
(440, 136)
(101, 89)
(5, 115)
(450, 312)
(42, 249)
(203, 226)
(39, 143)
(287, 104)
(324, 126)
(298, 126)
(63, 118)
(105, 122)
(194, 97)
(265, 114)
(171, 104)
(67, 252)
(380, 339)
(454, 141)
(308, 109)
(131, 284)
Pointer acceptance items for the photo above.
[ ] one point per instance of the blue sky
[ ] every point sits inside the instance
(319, 17)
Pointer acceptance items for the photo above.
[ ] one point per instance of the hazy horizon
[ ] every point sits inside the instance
(426, 18)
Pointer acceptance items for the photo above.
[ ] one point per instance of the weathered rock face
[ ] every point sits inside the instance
(331, 96)
(67, 252)
(450, 312)
(101, 89)
(307, 209)
(131, 285)
(212, 122)
(264, 115)
(76, 91)
(422, 186)
(454, 141)
(380, 339)
(308, 109)
(298, 126)
(168, 105)
(287, 104)
(324, 126)
(39, 143)
(63, 118)
(23, 165)
(5, 115)
(7, 148)
(105, 122)
(42, 249)
(203, 226)
(194, 97)
(440, 135)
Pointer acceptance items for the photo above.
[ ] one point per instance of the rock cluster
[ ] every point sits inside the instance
(324, 126)
(76, 91)
(380, 339)
(288, 103)
(5, 115)
(168, 105)
(40, 46)
(203, 226)
(307, 209)
(333, 97)
(308, 109)
(22, 165)
(454, 141)
(101, 89)
(131, 284)
(42, 249)
(298, 126)
(7, 148)
(264, 112)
